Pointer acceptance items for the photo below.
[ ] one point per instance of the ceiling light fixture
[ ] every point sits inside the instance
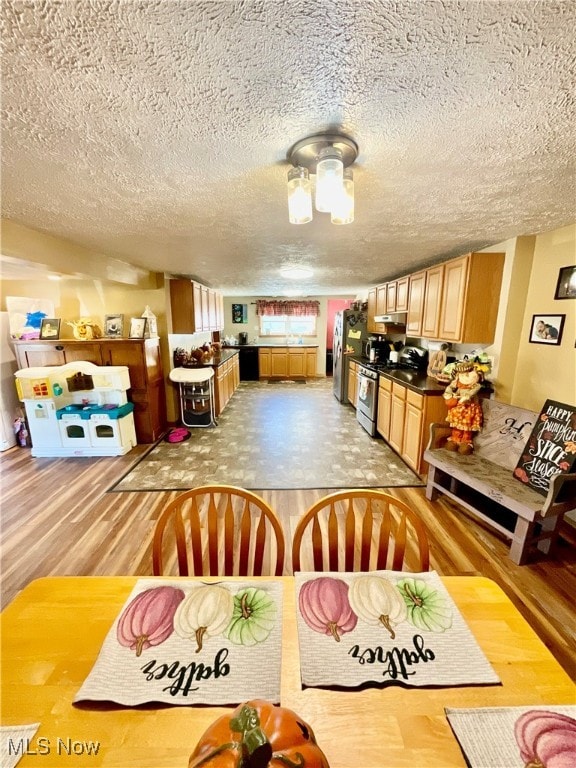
(329, 157)
(296, 273)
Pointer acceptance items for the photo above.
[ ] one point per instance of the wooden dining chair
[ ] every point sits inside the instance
(360, 530)
(218, 530)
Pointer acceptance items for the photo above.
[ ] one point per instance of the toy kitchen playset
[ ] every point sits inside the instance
(77, 409)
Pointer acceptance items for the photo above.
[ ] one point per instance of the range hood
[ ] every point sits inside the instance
(397, 319)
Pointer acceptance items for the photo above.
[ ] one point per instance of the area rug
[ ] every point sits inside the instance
(274, 437)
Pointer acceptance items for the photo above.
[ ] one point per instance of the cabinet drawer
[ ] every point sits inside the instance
(399, 390)
(415, 399)
(385, 384)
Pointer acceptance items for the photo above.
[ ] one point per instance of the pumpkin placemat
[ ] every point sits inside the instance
(190, 642)
(493, 737)
(384, 627)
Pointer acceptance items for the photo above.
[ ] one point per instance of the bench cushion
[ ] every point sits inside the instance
(490, 479)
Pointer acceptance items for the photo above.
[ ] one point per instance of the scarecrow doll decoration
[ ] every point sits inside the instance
(464, 410)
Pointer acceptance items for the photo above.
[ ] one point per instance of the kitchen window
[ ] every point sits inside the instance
(287, 325)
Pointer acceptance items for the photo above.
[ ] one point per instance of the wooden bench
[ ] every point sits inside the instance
(483, 482)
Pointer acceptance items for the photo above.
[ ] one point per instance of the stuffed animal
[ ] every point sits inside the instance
(85, 329)
(464, 410)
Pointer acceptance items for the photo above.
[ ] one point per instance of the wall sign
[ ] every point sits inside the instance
(551, 447)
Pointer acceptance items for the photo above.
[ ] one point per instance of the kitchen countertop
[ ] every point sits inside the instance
(273, 345)
(418, 381)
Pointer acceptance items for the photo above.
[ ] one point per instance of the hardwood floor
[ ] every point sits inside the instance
(58, 519)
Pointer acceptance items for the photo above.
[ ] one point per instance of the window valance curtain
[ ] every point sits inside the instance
(276, 307)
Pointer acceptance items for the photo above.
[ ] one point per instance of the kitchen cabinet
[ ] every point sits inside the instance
(471, 297)
(432, 298)
(296, 362)
(141, 357)
(353, 383)
(226, 380)
(370, 324)
(416, 289)
(397, 295)
(404, 418)
(195, 307)
(381, 299)
(384, 407)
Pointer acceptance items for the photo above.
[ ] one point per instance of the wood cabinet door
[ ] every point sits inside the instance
(397, 411)
(83, 350)
(279, 363)
(453, 299)
(402, 294)
(130, 354)
(370, 325)
(412, 441)
(384, 412)
(352, 384)
(311, 363)
(416, 303)
(296, 364)
(381, 299)
(182, 306)
(391, 297)
(212, 310)
(432, 298)
(264, 366)
(197, 307)
(38, 355)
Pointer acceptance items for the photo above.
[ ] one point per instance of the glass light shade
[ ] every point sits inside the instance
(329, 173)
(299, 196)
(343, 208)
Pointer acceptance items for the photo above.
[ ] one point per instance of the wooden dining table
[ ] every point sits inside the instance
(54, 629)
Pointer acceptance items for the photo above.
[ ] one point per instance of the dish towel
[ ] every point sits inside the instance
(15, 742)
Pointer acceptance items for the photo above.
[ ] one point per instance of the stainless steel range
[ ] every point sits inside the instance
(367, 409)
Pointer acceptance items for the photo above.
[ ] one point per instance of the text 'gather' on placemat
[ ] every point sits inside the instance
(191, 643)
(384, 627)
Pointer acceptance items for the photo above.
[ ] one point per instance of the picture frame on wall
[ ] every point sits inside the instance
(114, 326)
(50, 328)
(138, 327)
(239, 313)
(547, 329)
(566, 285)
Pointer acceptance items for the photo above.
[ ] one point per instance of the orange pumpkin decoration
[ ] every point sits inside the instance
(257, 735)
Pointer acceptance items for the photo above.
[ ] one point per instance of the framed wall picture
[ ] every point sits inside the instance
(114, 326)
(547, 329)
(239, 313)
(566, 286)
(138, 327)
(50, 328)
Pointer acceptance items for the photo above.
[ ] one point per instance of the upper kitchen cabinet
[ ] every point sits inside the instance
(416, 290)
(195, 307)
(397, 295)
(470, 298)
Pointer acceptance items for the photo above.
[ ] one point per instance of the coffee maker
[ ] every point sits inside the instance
(243, 338)
(376, 349)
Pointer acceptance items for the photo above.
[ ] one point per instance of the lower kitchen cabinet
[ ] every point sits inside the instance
(226, 380)
(287, 362)
(404, 418)
(141, 357)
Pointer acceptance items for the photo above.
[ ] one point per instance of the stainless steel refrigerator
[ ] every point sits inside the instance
(349, 333)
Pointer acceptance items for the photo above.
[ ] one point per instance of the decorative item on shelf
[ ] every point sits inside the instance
(138, 327)
(151, 330)
(85, 329)
(114, 326)
(464, 411)
(50, 328)
(258, 734)
(436, 364)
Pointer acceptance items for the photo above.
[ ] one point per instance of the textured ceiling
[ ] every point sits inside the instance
(156, 131)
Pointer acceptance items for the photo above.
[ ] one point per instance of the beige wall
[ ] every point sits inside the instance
(544, 371)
